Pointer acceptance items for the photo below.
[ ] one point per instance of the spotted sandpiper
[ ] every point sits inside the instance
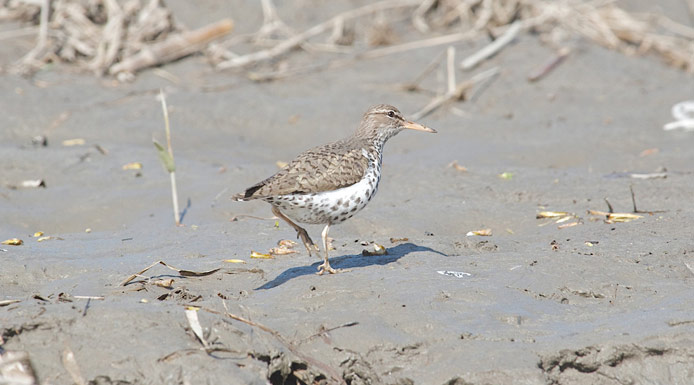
(330, 183)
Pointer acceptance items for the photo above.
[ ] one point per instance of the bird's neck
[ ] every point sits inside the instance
(375, 156)
(375, 140)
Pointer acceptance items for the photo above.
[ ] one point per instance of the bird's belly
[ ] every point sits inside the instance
(329, 206)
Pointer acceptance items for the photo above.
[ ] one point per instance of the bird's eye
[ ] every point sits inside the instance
(391, 114)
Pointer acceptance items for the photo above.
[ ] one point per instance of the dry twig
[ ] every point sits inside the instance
(549, 66)
(336, 378)
(296, 40)
(167, 159)
(174, 47)
(494, 47)
(455, 94)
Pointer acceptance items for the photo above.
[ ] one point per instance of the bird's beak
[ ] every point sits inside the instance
(418, 127)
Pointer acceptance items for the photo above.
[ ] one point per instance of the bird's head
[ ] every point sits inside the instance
(382, 121)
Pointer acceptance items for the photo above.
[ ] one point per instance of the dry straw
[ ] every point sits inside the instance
(119, 37)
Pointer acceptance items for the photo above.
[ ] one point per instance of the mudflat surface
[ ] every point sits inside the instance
(596, 303)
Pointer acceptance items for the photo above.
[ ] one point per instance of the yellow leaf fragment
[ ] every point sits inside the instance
(281, 164)
(38, 234)
(13, 242)
(257, 255)
(506, 175)
(74, 142)
(551, 214)
(132, 166)
(144, 300)
(88, 230)
(235, 260)
(483, 233)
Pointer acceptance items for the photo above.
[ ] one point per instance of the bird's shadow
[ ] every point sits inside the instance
(348, 262)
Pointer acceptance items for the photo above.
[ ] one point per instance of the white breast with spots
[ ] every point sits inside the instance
(332, 206)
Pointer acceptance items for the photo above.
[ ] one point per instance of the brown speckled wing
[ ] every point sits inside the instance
(323, 168)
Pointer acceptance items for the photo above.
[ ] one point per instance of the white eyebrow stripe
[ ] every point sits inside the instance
(385, 111)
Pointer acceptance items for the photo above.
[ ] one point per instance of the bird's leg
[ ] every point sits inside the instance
(300, 231)
(326, 264)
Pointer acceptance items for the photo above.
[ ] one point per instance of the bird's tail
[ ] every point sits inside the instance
(247, 194)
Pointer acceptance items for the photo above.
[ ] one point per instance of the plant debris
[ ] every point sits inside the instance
(167, 158)
(570, 224)
(552, 214)
(132, 166)
(184, 273)
(30, 183)
(48, 238)
(165, 283)
(550, 65)
(74, 142)
(257, 255)
(70, 365)
(284, 247)
(7, 302)
(13, 242)
(191, 313)
(377, 250)
(615, 217)
(683, 112)
(456, 274)
(454, 164)
(16, 368)
(559, 217)
(109, 36)
(482, 233)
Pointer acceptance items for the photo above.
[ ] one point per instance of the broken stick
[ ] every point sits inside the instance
(456, 93)
(174, 47)
(494, 47)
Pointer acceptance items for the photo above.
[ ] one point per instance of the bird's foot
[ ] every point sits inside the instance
(310, 247)
(325, 266)
(308, 242)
